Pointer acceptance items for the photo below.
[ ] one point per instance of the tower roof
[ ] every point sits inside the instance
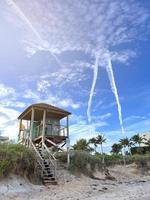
(52, 110)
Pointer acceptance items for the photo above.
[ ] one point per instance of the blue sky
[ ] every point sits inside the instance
(48, 54)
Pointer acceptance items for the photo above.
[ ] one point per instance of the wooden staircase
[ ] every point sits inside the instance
(46, 162)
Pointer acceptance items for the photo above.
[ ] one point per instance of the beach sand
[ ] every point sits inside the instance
(130, 184)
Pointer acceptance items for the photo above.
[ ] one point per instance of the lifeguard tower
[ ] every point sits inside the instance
(45, 129)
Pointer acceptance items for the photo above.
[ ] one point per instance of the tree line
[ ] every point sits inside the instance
(123, 146)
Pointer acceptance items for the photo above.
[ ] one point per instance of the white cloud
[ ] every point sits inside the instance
(80, 25)
(97, 105)
(51, 99)
(86, 131)
(70, 74)
(62, 102)
(139, 126)
(134, 118)
(8, 97)
(108, 105)
(43, 85)
(77, 119)
(29, 94)
(69, 103)
(102, 117)
(124, 56)
(9, 122)
(12, 103)
(6, 91)
(79, 127)
(85, 26)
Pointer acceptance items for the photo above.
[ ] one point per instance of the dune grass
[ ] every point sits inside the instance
(85, 163)
(17, 159)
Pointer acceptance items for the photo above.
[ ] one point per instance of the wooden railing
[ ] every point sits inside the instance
(24, 137)
(37, 153)
(52, 160)
(47, 156)
(51, 129)
(38, 157)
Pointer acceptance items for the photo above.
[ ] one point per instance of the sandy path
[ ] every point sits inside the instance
(85, 189)
(128, 186)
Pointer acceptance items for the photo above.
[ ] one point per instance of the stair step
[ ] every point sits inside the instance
(50, 182)
(49, 179)
(48, 167)
(48, 176)
(47, 172)
(53, 178)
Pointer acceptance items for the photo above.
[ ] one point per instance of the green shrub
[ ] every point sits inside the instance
(140, 150)
(142, 161)
(17, 159)
(86, 163)
(110, 160)
(81, 162)
(62, 157)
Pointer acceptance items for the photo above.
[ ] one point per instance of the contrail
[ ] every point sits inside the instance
(114, 90)
(26, 20)
(42, 42)
(95, 73)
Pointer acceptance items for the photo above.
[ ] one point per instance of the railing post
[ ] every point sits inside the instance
(20, 124)
(68, 143)
(43, 130)
(68, 126)
(32, 122)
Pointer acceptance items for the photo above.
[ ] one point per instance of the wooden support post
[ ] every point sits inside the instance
(26, 133)
(68, 143)
(32, 121)
(27, 125)
(68, 126)
(20, 125)
(43, 131)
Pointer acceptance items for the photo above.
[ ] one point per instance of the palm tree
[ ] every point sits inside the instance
(137, 139)
(116, 148)
(94, 142)
(82, 145)
(125, 142)
(100, 140)
(147, 142)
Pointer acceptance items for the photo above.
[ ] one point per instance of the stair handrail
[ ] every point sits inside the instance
(51, 161)
(53, 143)
(37, 153)
(49, 154)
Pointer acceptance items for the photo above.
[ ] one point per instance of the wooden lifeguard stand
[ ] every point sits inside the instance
(41, 129)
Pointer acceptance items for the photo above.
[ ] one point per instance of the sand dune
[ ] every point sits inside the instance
(130, 184)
